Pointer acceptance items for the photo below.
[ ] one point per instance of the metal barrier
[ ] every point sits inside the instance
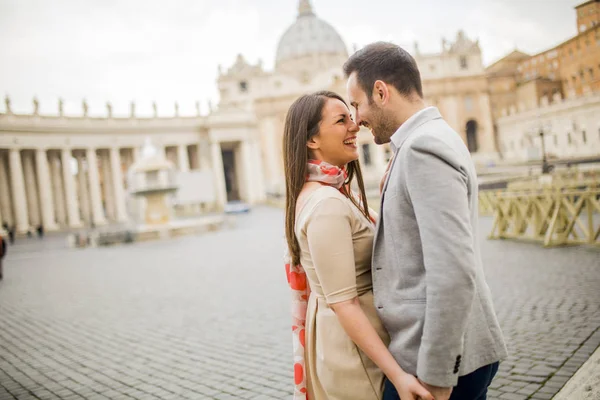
(557, 182)
(552, 217)
(487, 201)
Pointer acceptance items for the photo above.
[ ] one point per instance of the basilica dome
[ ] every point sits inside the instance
(309, 36)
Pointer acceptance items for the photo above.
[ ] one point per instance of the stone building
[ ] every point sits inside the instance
(455, 81)
(551, 97)
(65, 172)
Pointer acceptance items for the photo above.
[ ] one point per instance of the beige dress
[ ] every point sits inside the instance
(335, 250)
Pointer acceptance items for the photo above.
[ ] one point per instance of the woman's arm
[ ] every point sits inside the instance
(359, 328)
(329, 236)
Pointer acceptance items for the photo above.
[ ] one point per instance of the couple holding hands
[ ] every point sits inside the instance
(395, 305)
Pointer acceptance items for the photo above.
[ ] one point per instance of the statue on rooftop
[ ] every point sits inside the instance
(7, 104)
(36, 106)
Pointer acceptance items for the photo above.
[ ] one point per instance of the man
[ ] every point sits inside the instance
(428, 280)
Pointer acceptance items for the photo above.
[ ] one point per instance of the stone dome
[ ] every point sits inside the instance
(309, 36)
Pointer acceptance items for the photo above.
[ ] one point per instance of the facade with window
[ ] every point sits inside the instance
(455, 81)
(570, 129)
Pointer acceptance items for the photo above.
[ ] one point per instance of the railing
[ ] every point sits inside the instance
(558, 182)
(552, 217)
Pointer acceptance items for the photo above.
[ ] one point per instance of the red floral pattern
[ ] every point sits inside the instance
(318, 171)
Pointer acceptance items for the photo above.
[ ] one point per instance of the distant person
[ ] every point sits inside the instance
(11, 235)
(340, 345)
(40, 231)
(3, 249)
(428, 277)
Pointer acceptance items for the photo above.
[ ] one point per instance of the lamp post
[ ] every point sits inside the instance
(546, 168)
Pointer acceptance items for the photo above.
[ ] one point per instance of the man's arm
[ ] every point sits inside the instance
(437, 186)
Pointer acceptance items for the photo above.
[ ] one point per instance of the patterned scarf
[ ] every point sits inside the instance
(318, 171)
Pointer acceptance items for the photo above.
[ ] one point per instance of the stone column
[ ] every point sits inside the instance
(70, 195)
(219, 174)
(378, 154)
(485, 128)
(247, 171)
(117, 179)
(273, 150)
(44, 183)
(94, 180)
(108, 186)
(31, 189)
(258, 178)
(58, 191)
(137, 154)
(18, 191)
(204, 155)
(82, 186)
(182, 158)
(5, 201)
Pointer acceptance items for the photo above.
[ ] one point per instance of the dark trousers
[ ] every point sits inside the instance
(473, 386)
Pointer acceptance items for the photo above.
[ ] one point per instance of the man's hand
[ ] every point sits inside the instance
(438, 393)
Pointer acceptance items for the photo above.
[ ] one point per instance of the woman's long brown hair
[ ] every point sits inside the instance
(301, 124)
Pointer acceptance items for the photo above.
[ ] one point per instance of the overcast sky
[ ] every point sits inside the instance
(169, 50)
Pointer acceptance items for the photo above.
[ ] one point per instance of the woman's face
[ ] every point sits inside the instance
(336, 142)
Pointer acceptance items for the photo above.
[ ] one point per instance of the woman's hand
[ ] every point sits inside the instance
(409, 388)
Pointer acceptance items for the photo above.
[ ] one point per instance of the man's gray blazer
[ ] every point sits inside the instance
(428, 281)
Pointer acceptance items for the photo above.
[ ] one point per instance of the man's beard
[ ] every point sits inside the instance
(382, 127)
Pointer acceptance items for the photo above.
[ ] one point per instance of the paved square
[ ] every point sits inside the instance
(206, 317)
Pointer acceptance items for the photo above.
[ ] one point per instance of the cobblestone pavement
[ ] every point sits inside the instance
(206, 317)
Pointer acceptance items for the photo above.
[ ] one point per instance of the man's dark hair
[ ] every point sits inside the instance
(387, 62)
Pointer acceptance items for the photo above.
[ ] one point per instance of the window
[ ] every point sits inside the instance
(569, 139)
(534, 61)
(243, 86)
(591, 70)
(555, 140)
(583, 137)
(463, 62)
(366, 150)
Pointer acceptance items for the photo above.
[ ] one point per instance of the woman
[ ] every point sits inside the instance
(340, 346)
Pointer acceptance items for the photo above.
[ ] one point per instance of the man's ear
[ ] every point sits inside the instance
(381, 93)
(314, 143)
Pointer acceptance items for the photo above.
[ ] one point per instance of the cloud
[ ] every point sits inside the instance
(123, 50)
